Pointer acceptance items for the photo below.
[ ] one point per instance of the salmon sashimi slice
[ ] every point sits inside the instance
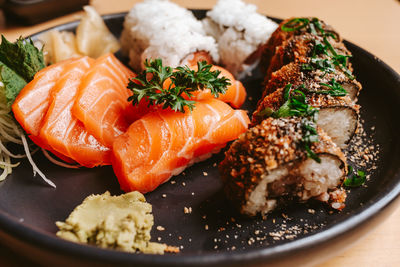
(32, 102)
(101, 103)
(64, 132)
(195, 57)
(163, 142)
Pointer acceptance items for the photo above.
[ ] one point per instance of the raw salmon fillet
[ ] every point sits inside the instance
(61, 130)
(43, 108)
(235, 93)
(32, 102)
(101, 103)
(163, 143)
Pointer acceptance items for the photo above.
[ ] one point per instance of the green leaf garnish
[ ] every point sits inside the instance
(12, 84)
(335, 89)
(310, 135)
(19, 62)
(184, 81)
(296, 105)
(355, 179)
(22, 57)
(295, 24)
(324, 65)
(314, 26)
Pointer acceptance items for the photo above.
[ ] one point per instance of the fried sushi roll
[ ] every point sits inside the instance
(268, 164)
(338, 116)
(301, 48)
(313, 79)
(292, 27)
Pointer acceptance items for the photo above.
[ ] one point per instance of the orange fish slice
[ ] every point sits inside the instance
(32, 102)
(65, 133)
(101, 102)
(163, 143)
(235, 93)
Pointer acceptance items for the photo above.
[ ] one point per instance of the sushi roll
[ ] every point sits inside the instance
(161, 29)
(267, 165)
(338, 116)
(240, 31)
(292, 27)
(300, 49)
(297, 74)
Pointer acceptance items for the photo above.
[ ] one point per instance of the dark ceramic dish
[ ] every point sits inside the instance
(28, 209)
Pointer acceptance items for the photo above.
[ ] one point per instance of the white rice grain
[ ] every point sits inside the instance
(161, 29)
(239, 31)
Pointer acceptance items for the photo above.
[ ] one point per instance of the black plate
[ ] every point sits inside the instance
(28, 209)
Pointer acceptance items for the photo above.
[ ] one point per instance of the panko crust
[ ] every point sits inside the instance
(293, 73)
(279, 36)
(276, 99)
(264, 148)
(298, 48)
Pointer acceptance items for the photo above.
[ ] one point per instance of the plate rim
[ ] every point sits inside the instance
(47, 241)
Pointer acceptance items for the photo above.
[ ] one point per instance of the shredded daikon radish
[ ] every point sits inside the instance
(11, 133)
(34, 167)
(59, 163)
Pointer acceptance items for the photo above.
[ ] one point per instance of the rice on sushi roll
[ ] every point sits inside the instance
(240, 31)
(161, 29)
(267, 165)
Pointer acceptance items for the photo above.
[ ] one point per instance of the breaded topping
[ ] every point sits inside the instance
(299, 48)
(295, 74)
(264, 148)
(280, 35)
(276, 99)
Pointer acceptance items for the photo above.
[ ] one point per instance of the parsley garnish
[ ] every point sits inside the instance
(355, 179)
(184, 81)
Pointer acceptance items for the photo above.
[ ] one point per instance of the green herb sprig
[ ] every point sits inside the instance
(310, 136)
(296, 105)
(295, 24)
(355, 179)
(149, 84)
(314, 26)
(335, 89)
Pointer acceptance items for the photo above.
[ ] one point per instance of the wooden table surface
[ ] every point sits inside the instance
(373, 25)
